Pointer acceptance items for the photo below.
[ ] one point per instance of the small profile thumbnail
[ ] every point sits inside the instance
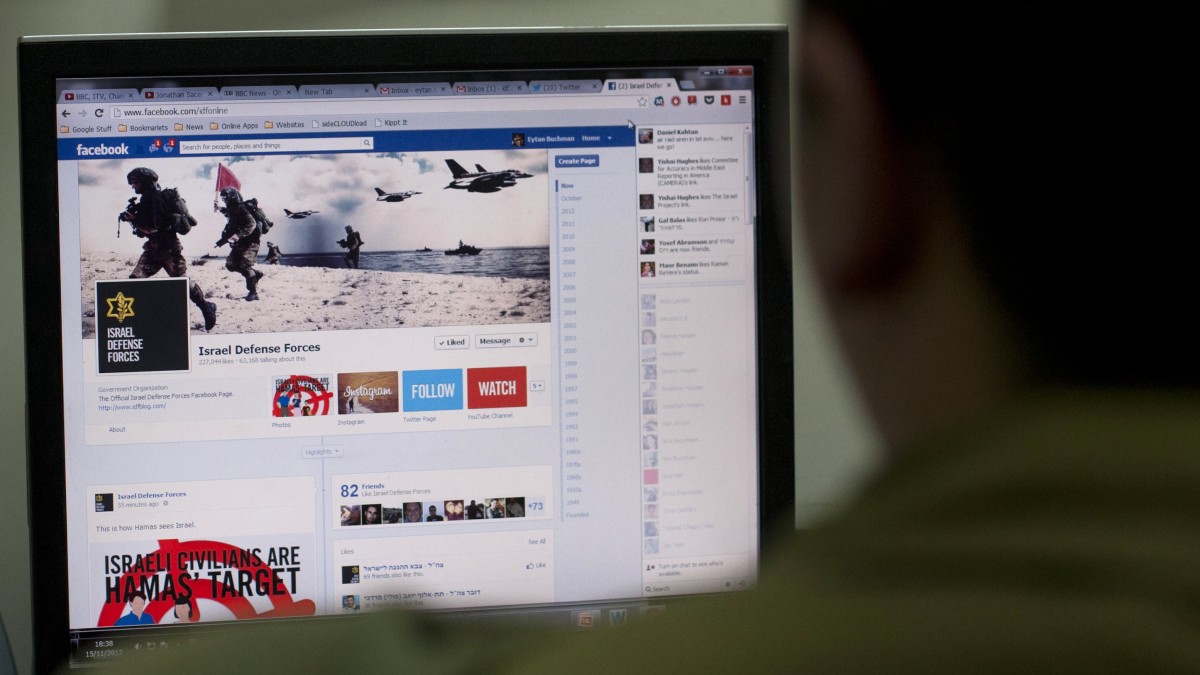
(413, 512)
(372, 514)
(104, 502)
(476, 511)
(350, 574)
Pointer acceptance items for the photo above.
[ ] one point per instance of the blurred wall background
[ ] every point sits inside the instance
(834, 444)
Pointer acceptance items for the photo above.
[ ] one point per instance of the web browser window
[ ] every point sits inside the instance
(450, 341)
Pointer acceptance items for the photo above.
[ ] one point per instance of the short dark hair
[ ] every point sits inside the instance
(1046, 124)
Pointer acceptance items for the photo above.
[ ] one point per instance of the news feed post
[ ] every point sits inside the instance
(202, 551)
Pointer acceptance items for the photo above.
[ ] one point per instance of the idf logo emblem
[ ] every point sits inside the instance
(153, 337)
(119, 307)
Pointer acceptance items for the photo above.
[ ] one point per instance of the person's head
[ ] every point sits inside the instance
(970, 235)
(371, 513)
(349, 229)
(183, 609)
(231, 196)
(348, 601)
(142, 179)
(137, 602)
(412, 511)
(432, 510)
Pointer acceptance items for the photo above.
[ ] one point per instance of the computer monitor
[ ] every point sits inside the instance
(484, 321)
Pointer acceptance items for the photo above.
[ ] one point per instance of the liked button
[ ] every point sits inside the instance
(452, 342)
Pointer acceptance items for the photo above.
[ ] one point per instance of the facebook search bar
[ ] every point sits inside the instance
(253, 145)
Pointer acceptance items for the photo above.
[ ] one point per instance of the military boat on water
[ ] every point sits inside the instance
(464, 249)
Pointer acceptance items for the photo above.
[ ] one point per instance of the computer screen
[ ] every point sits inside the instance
(321, 324)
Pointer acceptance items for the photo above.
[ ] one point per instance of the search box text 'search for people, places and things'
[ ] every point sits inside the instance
(277, 145)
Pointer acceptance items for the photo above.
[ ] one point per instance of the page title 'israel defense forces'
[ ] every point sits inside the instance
(483, 180)
(159, 217)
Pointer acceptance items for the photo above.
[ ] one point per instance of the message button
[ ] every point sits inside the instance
(506, 340)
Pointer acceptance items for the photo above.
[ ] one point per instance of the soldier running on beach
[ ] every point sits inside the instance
(241, 233)
(159, 217)
(351, 243)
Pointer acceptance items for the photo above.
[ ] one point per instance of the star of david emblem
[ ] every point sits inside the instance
(119, 307)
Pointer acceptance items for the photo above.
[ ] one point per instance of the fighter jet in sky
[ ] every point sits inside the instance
(393, 196)
(483, 180)
(299, 215)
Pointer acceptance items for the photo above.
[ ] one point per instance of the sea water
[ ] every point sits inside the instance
(531, 262)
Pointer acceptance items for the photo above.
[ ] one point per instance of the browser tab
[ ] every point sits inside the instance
(180, 94)
(335, 90)
(258, 93)
(490, 88)
(98, 96)
(641, 86)
(416, 89)
(566, 86)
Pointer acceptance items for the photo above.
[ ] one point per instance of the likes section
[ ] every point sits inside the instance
(445, 571)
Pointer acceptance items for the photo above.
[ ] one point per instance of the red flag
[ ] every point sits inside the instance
(225, 178)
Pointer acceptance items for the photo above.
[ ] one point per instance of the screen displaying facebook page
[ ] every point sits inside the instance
(457, 345)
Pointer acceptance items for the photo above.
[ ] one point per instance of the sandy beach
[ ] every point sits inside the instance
(321, 298)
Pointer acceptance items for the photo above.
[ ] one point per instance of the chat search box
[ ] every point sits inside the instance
(290, 145)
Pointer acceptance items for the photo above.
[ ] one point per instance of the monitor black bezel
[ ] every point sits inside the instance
(43, 61)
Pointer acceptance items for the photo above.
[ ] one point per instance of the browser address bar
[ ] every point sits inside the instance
(432, 104)
(250, 145)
